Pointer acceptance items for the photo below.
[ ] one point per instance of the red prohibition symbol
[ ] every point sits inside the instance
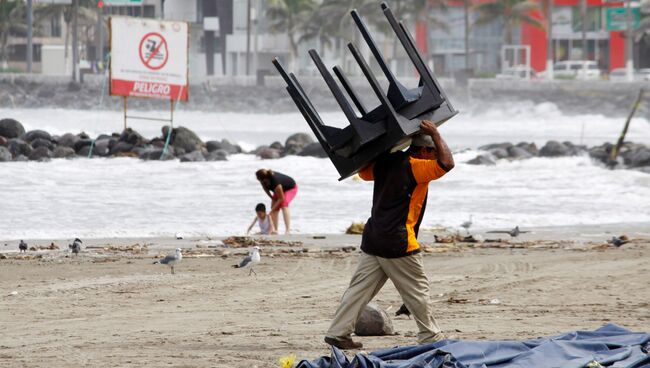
(154, 52)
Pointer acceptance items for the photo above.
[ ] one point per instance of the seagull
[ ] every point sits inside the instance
(75, 246)
(513, 233)
(250, 261)
(172, 259)
(403, 310)
(467, 224)
(22, 246)
(617, 241)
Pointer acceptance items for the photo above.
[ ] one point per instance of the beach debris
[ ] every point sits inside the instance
(13, 293)
(513, 233)
(251, 260)
(403, 310)
(75, 247)
(495, 301)
(455, 300)
(617, 241)
(247, 242)
(2, 256)
(287, 361)
(467, 224)
(374, 321)
(171, 260)
(355, 228)
(179, 236)
(53, 246)
(594, 364)
(22, 246)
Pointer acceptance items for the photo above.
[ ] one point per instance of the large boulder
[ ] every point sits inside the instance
(518, 153)
(121, 147)
(530, 147)
(269, 154)
(11, 128)
(218, 155)
(81, 143)
(314, 150)
(194, 156)
(482, 160)
(33, 135)
(259, 150)
(224, 145)
(490, 147)
(374, 321)
(601, 153)
(554, 149)
(212, 146)
(19, 147)
(574, 149)
(155, 154)
(68, 140)
(499, 153)
(132, 137)
(40, 154)
(184, 138)
(5, 155)
(296, 142)
(101, 147)
(63, 152)
(640, 158)
(277, 145)
(40, 142)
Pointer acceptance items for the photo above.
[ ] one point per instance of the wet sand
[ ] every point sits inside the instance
(111, 307)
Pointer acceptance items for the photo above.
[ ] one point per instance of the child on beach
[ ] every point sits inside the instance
(264, 221)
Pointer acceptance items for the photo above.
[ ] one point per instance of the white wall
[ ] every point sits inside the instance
(183, 10)
(53, 60)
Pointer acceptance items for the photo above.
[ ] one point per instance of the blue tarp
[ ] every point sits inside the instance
(610, 346)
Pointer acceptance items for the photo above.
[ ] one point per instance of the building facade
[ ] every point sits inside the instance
(604, 45)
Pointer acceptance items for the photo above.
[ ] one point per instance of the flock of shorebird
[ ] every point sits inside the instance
(170, 260)
(254, 257)
(514, 232)
(249, 261)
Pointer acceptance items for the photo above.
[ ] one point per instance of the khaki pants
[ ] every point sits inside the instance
(407, 274)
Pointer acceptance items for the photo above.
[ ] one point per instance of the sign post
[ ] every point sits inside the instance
(616, 18)
(149, 59)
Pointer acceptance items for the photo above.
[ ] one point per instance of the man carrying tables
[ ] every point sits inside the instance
(389, 245)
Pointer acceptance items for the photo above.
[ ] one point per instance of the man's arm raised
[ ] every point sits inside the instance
(445, 157)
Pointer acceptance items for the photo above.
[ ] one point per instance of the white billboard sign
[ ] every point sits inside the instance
(149, 58)
(123, 2)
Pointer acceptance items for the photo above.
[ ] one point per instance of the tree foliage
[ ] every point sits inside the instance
(512, 12)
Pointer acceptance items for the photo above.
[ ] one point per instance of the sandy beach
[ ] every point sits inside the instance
(111, 307)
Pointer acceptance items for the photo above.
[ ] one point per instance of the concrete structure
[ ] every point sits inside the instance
(603, 46)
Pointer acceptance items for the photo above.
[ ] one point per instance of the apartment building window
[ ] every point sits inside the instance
(149, 11)
(55, 26)
(593, 17)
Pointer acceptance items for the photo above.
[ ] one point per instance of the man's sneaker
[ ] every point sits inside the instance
(344, 344)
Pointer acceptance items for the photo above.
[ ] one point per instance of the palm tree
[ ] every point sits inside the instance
(513, 13)
(643, 32)
(423, 14)
(12, 20)
(333, 20)
(290, 17)
(86, 17)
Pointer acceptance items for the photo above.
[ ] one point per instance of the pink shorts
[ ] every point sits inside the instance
(289, 195)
